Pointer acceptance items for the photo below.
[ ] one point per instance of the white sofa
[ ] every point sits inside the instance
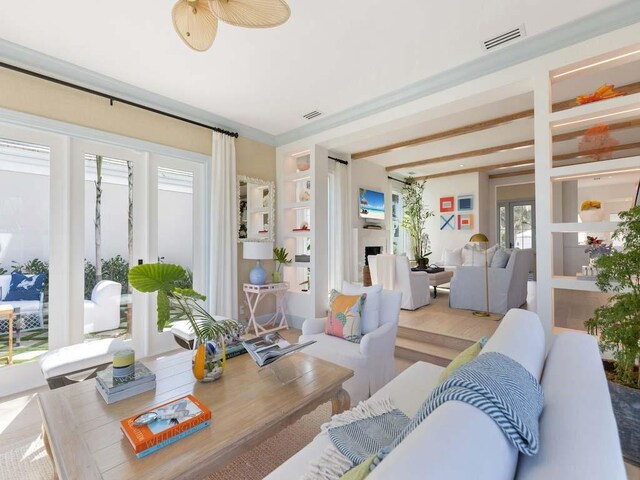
(31, 311)
(578, 433)
(102, 312)
(507, 286)
(413, 285)
(372, 360)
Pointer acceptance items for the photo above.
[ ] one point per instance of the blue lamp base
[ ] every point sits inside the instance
(258, 275)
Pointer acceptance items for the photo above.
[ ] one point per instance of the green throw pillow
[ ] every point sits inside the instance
(463, 358)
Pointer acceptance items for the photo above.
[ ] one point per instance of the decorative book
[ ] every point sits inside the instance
(111, 384)
(165, 424)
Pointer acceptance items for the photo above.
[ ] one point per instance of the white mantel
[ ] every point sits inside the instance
(363, 237)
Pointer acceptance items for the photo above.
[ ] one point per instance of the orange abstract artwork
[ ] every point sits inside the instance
(602, 93)
(597, 143)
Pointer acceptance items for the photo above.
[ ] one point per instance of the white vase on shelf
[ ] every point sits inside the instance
(592, 216)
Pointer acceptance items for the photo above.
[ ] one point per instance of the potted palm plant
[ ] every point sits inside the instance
(175, 303)
(281, 256)
(415, 218)
(618, 325)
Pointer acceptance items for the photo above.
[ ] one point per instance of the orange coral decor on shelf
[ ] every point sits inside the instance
(597, 144)
(602, 93)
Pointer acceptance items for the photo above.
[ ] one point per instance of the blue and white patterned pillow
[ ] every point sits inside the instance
(25, 287)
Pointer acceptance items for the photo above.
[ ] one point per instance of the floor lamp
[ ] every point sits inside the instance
(482, 238)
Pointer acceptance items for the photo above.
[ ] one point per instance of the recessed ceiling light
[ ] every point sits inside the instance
(462, 164)
(411, 173)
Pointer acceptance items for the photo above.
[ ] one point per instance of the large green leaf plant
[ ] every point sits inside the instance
(618, 322)
(175, 303)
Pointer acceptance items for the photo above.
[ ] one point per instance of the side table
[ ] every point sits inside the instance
(255, 293)
(7, 310)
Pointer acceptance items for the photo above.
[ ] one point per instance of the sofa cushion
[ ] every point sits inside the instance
(371, 312)
(452, 258)
(463, 358)
(458, 441)
(25, 287)
(500, 258)
(344, 316)
(578, 434)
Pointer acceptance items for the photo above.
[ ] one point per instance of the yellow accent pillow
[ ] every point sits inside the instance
(463, 358)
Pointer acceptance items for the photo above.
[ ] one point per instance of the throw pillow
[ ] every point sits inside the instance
(371, 312)
(500, 258)
(452, 258)
(25, 287)
(463, 358)
(344, 316)
(472, 256)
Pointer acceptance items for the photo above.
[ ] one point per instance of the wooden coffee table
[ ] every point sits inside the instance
(83, 436)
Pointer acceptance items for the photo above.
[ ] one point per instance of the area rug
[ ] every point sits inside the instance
(29, 461)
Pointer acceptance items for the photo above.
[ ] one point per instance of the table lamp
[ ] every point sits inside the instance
(482, 238)
(257, 251)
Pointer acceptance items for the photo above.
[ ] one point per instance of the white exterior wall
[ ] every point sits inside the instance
(24, 232)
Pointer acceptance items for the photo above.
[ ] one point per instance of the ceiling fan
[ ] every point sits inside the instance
(196, 21)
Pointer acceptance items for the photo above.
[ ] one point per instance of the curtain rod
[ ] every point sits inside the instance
(344, 162)
(397, 180)
(113, 98)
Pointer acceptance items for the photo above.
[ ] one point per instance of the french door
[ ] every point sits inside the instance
(129, 208)
(516, 224)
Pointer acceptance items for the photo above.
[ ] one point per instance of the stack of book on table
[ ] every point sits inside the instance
(156, 428)
(113, 389)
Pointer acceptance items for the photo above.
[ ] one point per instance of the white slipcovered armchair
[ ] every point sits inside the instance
(414, 286)
(102, 312)
(507, 286)
(372, 360)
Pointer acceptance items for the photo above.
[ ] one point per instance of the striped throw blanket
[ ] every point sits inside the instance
(492, 382)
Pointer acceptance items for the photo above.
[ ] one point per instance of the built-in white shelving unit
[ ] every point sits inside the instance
(574, 122)
(302, 220)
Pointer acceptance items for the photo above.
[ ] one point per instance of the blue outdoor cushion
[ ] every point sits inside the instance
(25, 287)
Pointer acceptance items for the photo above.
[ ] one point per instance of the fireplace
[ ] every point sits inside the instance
(377, 250)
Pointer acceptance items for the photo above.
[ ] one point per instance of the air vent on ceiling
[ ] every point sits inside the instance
(503, 38)
(311, 115)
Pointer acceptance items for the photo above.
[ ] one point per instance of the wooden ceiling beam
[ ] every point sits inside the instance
(459, 156)
(455, 132)
(511, 146)
(586, 153)
(511, 174)
(476, 127)
(483, 168)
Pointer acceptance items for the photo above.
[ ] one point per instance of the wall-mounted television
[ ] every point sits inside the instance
(371, 204)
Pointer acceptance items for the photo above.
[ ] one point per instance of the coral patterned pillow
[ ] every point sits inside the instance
(344, 316)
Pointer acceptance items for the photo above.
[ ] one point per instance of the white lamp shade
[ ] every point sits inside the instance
(257, 250)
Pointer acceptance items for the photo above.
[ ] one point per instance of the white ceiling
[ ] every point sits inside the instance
(331, 55)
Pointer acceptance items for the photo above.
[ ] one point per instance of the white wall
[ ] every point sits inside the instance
(467, 184)
(24, 221)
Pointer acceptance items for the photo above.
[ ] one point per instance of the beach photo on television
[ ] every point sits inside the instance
(371, 204)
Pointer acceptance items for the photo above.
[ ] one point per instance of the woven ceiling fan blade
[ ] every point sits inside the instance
(251, 13)
(195, 24)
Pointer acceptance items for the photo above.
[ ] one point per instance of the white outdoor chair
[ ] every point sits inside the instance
(102, 312)
(372, 360)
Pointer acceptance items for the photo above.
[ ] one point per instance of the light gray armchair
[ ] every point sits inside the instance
(507, 286)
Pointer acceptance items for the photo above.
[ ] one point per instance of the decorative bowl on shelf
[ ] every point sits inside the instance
(303, 164)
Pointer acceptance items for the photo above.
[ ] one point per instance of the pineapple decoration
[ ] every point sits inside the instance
(597, 143)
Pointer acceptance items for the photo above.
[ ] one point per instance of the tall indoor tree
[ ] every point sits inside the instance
(416, 214)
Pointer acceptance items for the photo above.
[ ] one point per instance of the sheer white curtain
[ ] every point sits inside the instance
(223, 290)
(339, 225)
